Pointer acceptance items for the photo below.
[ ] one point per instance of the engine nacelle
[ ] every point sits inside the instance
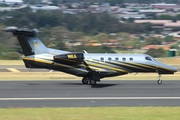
(69, 58)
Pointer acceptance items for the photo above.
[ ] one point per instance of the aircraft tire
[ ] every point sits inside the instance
(92, 82)
(159, 82)
(85, 80)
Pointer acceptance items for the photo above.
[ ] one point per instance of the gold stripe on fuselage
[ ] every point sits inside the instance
(104, 65)
(51, 62)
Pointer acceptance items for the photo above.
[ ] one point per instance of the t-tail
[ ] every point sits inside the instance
(29, 42)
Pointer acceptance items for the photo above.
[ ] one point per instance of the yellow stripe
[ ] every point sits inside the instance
(128, 65)
(57, 64)
(48, 62)
(106, 67)
(115, 67)
(152, 67)
(13, 70)
(96, 68)
(38, 60)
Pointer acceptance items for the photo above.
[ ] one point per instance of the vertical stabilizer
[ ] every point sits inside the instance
(29, 42)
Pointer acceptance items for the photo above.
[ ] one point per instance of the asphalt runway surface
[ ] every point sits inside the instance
(71, 93)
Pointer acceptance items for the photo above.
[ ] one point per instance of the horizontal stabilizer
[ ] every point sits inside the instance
(25, 32)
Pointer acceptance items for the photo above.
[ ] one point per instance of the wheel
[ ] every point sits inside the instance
(85, 81)
(92, 82)
(159, 81)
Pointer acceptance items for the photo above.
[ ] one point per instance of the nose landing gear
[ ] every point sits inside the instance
(159, 80)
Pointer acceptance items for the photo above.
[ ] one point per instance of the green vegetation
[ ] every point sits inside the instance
(101, 1)
(97, 113)
(10, 55)
(87, 23)
(153, 1)
(156, 52)
(57, 30)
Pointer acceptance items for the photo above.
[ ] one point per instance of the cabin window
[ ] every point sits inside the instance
(109, 59)
(116, 59)
(124, 59)
(131, 59)
(101, 59)
(148, 58)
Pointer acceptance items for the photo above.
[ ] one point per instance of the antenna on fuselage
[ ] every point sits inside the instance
(85, 51)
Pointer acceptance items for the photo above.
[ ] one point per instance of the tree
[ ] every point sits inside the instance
(101, 36)
(153, 41)
(10, 56)
(177, 17)
(169, 39)
(165, 17)
(47, 19)
(174, 46)
(55, 2)
(32, 1)
(156, 52)
(114, 2)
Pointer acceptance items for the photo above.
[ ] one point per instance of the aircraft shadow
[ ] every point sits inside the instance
(102, 85)
(98, 85)
(92, 86)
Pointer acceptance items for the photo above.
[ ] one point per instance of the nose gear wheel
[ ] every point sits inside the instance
(159, 80)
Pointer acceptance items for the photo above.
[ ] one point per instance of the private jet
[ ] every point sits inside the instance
(91, 66)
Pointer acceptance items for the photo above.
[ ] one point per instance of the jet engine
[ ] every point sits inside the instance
(69, 58)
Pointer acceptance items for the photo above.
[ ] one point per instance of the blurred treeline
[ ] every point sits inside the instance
(149, 1)
(112, 2)
(87, 23)
(55, 28)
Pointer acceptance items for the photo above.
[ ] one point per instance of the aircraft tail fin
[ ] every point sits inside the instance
(29, 42)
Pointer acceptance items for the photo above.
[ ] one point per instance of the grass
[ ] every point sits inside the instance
(170, 60)
(64, 76)
(92, 113)
(11, 62)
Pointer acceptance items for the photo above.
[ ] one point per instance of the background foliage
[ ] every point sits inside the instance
(56, 29)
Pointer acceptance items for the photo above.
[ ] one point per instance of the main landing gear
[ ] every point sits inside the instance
(87, 80)
(159, 80)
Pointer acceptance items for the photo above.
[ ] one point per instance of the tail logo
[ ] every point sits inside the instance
(36, 43)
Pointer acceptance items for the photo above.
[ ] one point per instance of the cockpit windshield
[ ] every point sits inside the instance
(148, 58)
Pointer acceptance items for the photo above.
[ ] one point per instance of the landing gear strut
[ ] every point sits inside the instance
(159, 80)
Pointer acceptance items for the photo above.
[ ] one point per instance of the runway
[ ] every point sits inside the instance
(72, 93)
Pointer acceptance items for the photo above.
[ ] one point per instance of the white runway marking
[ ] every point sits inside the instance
(97, 98)
(13, 70)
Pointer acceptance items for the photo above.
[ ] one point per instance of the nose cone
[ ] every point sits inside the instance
(165, 69)
(173, 69)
